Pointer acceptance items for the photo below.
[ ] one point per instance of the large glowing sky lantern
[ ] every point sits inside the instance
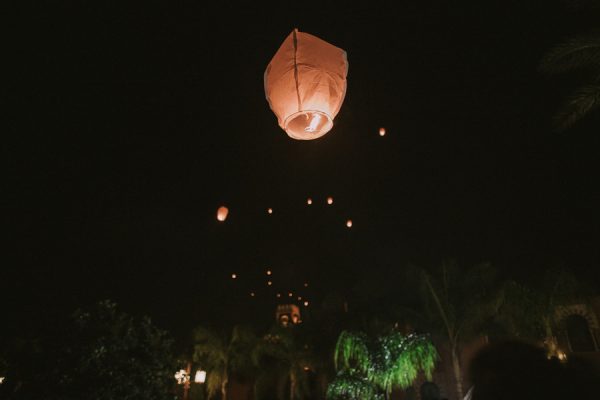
(305, 85)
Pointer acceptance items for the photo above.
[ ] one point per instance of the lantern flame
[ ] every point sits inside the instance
(349, 223)
(381, 131)
(330, 200)
(314, 123)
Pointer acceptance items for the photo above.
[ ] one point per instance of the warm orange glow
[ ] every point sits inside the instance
(305, 284)
(299, 298)
(309, 201)
(381, 131)
(270, 211)
(269, 283)
(269, 272)
(305, 85)
(306, 368)
(330, 200)
(278, 294)
(252, 294)
(306, 304)
(349, 223)
(233, 276)
(290, 294)
(222, 213)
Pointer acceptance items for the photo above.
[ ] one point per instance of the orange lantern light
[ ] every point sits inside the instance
(270, 211)
(330, 200)
(349, 223)
(305, 85)
(233, 276)
(222, 213)
(309, 201)
(381, 131)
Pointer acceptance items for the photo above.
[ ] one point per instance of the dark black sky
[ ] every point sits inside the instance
(129, 126)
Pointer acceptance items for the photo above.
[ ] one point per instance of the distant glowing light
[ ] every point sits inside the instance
(222, 213)
(349, 223)
(269, 283)
(299, 298)
(306, 304)
(200, 376)
(330, 200)
(252, 294)
(1, 380)
(381, 131)
(309, 201)
(278, 294)
(270, 211)
(290, 294)
(314, 123)
(269, 272)
(233, 276)
(306, 368)
(182, 376)
(305, 284)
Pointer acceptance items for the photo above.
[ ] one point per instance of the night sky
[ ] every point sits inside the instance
(129, 126)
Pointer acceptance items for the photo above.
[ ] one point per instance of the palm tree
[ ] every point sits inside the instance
(578, 54)
(387, 361)
(281, 352)
(458, 303)
(222, 355)
(529, 311)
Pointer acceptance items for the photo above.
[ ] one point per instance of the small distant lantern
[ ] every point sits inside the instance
(269, 283)
(381, 131)
(305, 284)
(222, 213)
(251, 294)
(290, 294)
(349, 223)
(200, 376)
(299, 298)
(270, 211)
(278, 294)
(330, 200)
(269, 272)
(233, 276)
(306, 304)
(309, 201)
(305, 85)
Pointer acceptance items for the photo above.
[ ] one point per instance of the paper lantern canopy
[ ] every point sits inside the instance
(222, 213)
(305, 85)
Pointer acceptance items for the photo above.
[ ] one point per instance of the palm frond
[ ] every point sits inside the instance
(214, 380)
(350, 385)
(578, 105)
(575, 53)
(351, 351)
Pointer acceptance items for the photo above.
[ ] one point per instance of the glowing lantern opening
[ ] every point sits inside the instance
(381, 131)
(349, 223)
(309, 201)
(222, 213)
(233, 276)
(306, 304)
(270, 211)
(269, 283)
(200, 376)
(330, 200)
(305, 85)
(269, 272)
